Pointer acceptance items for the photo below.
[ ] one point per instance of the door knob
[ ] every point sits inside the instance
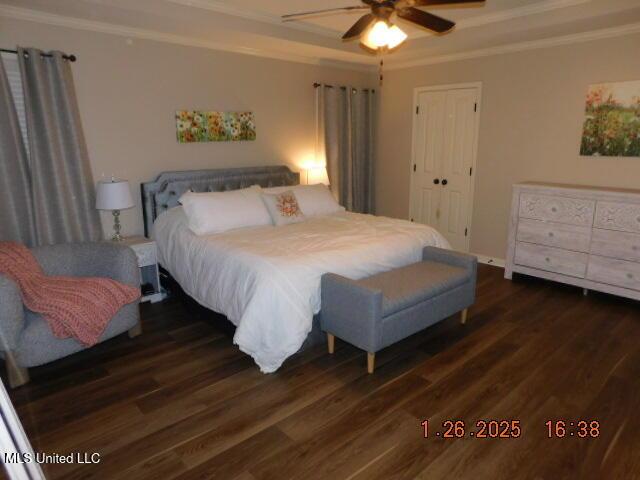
(444, 181)
(436, 181)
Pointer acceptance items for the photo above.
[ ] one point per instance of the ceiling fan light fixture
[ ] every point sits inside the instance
(395, 37)
(376, 36)
(382, 35)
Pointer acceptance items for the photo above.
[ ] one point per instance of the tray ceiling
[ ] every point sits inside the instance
(254, 26)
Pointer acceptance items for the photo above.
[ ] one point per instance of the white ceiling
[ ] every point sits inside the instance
(254, 26)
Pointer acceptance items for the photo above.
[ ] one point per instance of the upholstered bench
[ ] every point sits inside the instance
(380, 310)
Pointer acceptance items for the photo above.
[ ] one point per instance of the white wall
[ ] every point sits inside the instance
(531, 125)
(129, 90)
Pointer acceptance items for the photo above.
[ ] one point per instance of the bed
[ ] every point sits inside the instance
(266, 279)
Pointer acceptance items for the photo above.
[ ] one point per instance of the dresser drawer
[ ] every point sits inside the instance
(551, 259)
(570, 237)
(619, 273)
(618, 216)
(608, 243)
(574, 211)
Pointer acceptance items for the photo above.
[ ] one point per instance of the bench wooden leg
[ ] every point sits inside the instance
(371, 362)
(17, 375)
(135, 330)
(464, 315)
(331, 342)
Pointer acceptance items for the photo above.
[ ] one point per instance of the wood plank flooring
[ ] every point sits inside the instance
(181, 402)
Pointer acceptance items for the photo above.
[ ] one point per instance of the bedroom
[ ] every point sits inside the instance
(180, 399)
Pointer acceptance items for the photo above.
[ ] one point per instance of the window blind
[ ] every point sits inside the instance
(15, 84)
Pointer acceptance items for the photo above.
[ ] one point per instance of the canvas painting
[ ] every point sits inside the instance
(201, 126)
(612, 124)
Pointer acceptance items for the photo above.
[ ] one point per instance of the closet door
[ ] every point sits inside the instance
(428, 154)
(445, 132)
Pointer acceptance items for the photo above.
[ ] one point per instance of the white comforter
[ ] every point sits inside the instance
(266, 280)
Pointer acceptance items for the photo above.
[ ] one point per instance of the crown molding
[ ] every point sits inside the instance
(604, 33)
(510, 14)
(367, 65)
(479, 20)
(517, 12)
(216, 6)
(133, 32)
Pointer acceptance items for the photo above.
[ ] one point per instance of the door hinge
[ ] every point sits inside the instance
(475, 107)
(417, 110)
(470, 171)
(414, 167)
(466, 231)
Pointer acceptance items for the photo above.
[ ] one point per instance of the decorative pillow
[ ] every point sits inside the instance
(314, 200)
(283, 207)
(217, 212)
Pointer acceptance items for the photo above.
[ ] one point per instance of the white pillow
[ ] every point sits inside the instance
(217, 212)
(283, 207)
(314, 200)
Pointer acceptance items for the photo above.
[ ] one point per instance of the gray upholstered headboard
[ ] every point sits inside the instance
(163, 193)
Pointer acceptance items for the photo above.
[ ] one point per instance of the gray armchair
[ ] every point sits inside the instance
(26, 339)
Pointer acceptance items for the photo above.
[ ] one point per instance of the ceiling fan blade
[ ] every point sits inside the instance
(296, 16)
(359, 27)
(432, 3)
(426, 20)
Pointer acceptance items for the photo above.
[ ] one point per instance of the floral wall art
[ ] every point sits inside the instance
(202, 126)
(612, 124)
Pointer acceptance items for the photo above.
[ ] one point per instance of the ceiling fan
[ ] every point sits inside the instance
(379, 32)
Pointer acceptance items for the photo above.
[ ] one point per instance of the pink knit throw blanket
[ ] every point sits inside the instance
(72, 306)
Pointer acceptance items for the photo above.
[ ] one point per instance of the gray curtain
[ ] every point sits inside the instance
(346, 125)
(16, 213)
(63, 190)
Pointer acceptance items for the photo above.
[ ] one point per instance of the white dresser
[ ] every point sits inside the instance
(583, 236)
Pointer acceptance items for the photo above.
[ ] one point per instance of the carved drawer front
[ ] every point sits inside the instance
(571, 237)
(608, 243)
(619, 273)
(574, 211)
(618, 216)
(551, 259)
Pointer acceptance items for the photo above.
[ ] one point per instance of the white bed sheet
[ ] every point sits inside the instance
(266, 280)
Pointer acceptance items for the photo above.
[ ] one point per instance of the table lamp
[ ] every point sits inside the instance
(114, 195)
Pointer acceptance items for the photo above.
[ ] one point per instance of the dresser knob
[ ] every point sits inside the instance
(554, 209)
(635, 248)
(630, 276)
(547, 259)
(551, 234)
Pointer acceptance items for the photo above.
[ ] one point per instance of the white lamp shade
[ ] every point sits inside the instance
(382, 35)
(317, 175)
(376, 36)
(114, 195)
(395, 37)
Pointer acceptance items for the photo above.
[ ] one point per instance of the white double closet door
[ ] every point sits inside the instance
(444, 148)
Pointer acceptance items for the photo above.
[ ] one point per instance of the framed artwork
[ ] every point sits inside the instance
(612, 123)
(202, 126)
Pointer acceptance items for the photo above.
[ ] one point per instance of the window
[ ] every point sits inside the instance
(15, 84)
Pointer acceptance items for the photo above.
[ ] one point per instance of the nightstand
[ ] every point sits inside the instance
(147, 254)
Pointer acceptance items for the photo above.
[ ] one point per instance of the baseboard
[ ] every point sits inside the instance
(496, 262)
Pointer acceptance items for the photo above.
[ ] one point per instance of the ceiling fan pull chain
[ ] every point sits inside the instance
(381, 73)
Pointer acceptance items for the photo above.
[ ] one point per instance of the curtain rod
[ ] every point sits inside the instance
(316, 85)
(71, 58)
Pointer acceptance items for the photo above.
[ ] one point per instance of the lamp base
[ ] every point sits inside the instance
(116, 227)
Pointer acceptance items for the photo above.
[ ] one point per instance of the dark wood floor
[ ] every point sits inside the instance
(181, 401)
